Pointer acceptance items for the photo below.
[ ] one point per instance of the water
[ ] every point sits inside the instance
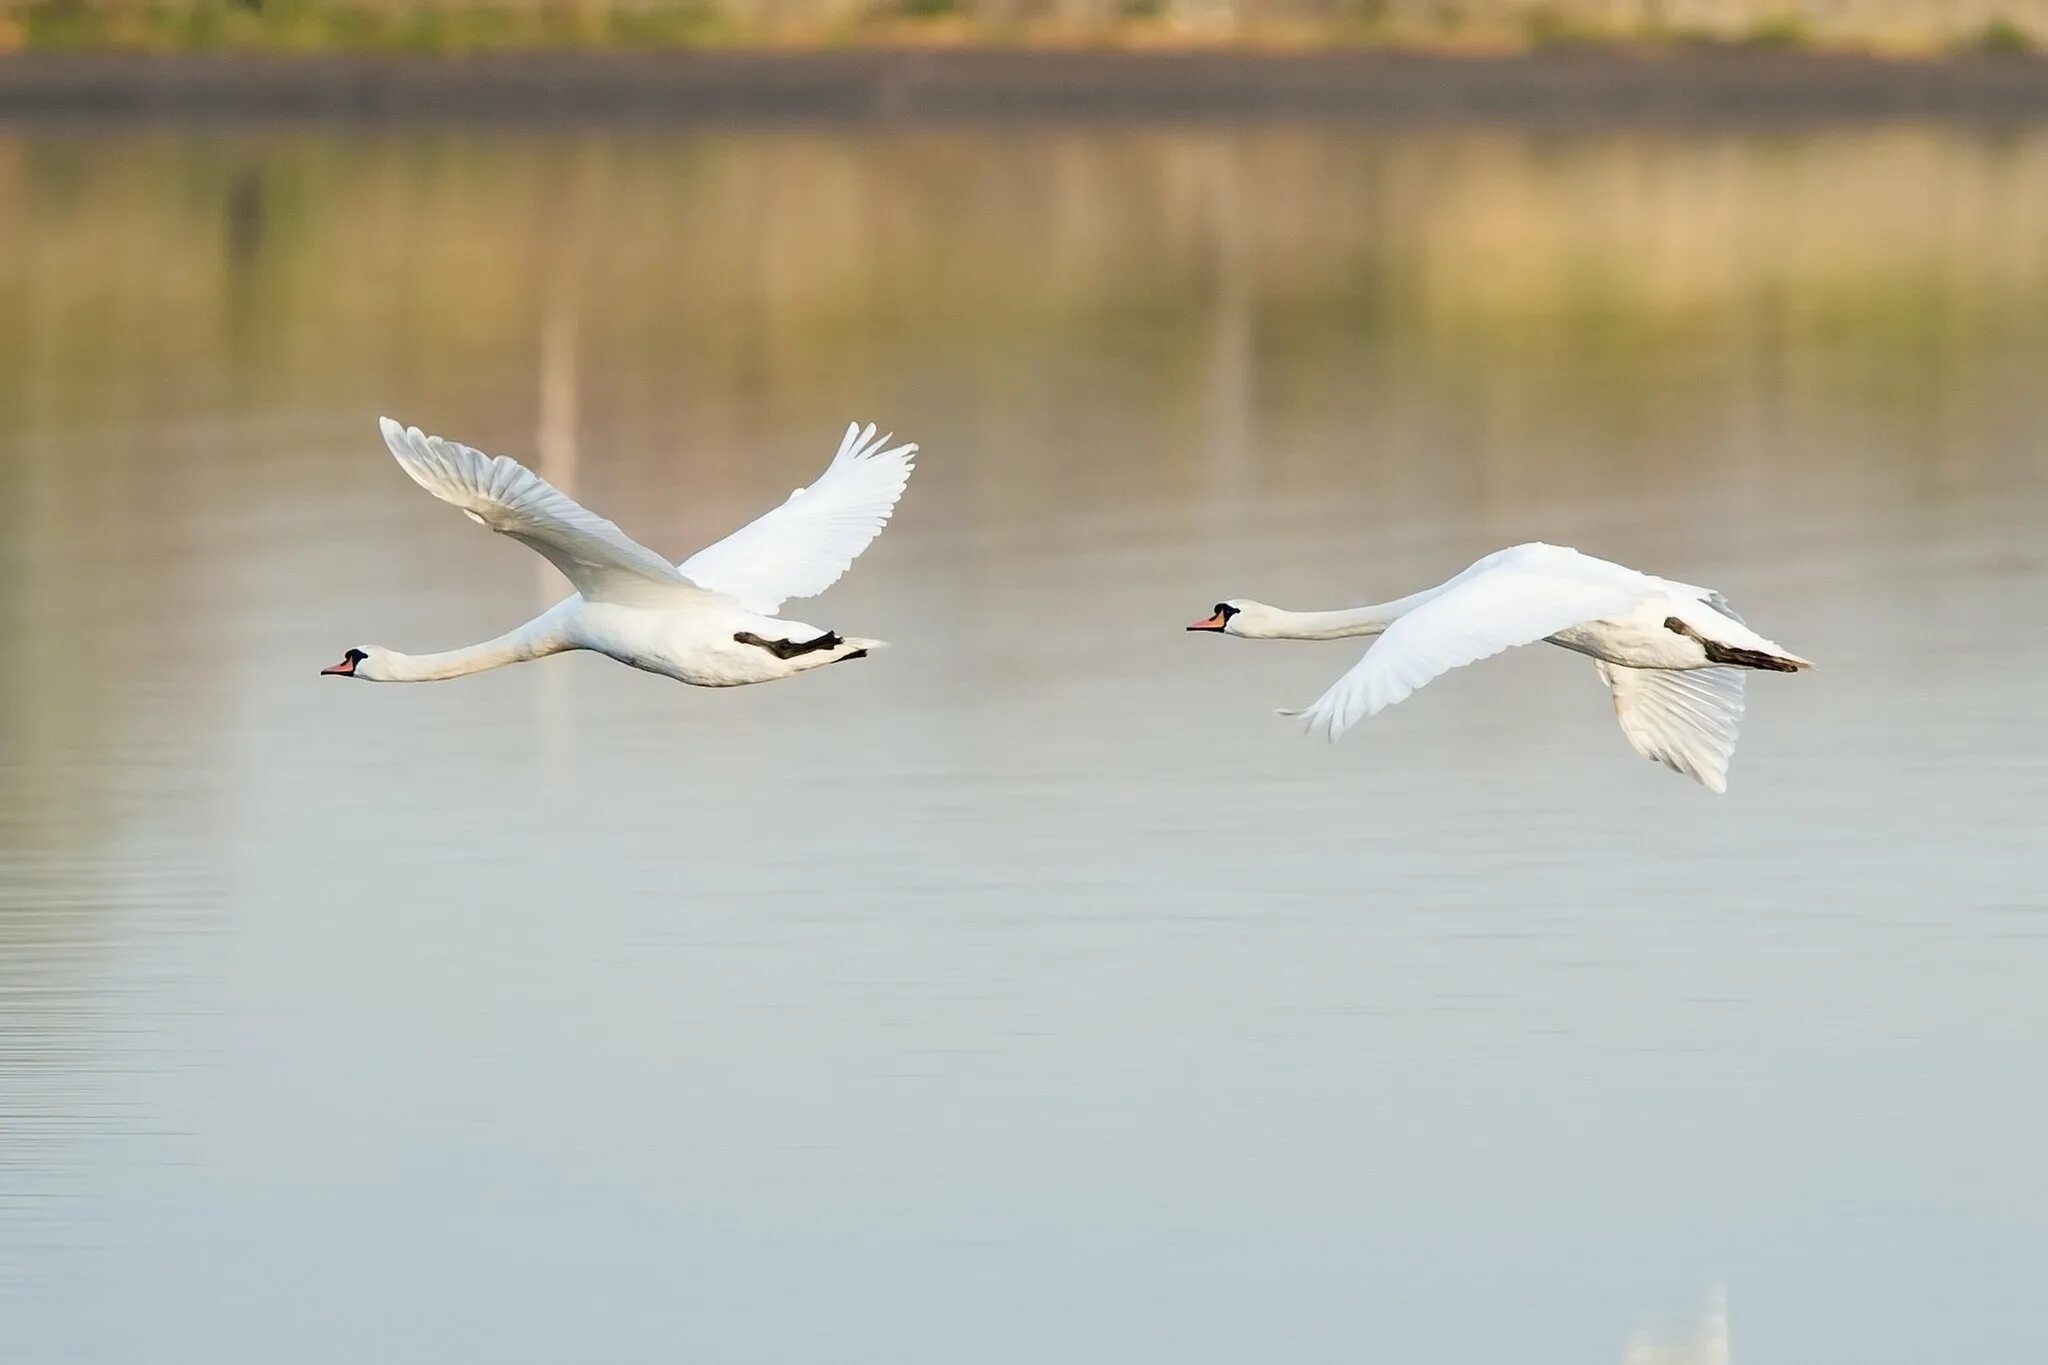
(1028, 992)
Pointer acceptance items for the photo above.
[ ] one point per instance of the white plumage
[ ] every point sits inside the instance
(712, 622)
(802, 547)
(1688, 721)
(1476, 617)
(603, 563)
(1670, 652)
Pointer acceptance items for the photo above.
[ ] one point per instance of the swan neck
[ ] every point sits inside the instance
(514, 646)
(1345, 622)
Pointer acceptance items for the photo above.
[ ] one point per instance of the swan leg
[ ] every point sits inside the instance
(789, 649)
(1732, 655)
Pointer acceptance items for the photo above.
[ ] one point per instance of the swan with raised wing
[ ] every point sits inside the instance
(1672, 655)
(710, 621)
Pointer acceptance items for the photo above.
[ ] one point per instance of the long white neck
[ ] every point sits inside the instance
(1272, 623)
(514, 646)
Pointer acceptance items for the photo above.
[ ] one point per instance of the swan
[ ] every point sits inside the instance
(1672, 655)
(710, 621)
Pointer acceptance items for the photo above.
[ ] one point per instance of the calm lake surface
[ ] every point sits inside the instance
(1027, 993)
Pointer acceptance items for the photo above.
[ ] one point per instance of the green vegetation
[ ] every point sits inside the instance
(1550, 25)
(1779, 31)
(351, 26)
(2002, 36)
(457, 26)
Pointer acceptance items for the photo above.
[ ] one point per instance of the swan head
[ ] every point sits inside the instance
(1230, 618)
(358, 663)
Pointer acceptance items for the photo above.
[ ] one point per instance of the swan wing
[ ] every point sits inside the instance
(1688, 721)
(1516, 601)
(802, 547)
(1721, 604)
(603, 562)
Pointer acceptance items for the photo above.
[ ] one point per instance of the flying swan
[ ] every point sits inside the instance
(710, 621)
(1672, 654)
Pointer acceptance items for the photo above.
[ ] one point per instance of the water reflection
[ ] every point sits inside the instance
(1033, 976)
(1705, 1344)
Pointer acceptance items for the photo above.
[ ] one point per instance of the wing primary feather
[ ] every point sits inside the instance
(601, 561)
(1688, 721)
(1514, 597)
(803, 546)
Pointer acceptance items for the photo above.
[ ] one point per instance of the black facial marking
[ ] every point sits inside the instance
(347, 667)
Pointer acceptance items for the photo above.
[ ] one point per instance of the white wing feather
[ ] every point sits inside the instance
(1688, 721)
(802, 547)
(1514, 598)
(603, 562)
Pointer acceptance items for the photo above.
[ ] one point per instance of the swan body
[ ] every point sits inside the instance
(711, 621)
(1672, 655)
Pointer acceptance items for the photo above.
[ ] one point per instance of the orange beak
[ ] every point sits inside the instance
(1216, 622)
(345, 669)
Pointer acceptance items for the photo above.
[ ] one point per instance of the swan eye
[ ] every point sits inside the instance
(355, 656)
(1223, 611)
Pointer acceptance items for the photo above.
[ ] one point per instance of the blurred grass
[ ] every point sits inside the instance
(458, 26)
(316, 26)
(744, 261)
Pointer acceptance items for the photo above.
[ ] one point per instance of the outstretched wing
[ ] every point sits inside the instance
(1720, 604)
(802, 547)
(603, 562)
(1517, 601)
(1688, 721)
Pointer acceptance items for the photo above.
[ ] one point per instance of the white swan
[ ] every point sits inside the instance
(710, 621)
(1672, 654)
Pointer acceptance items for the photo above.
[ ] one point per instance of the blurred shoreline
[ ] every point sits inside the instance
(914, 84)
